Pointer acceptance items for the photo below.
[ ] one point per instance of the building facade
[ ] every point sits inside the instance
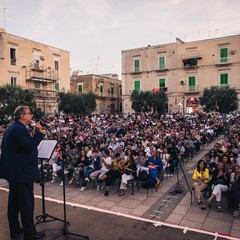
(107, 88)
(35, 66)
(182, 70)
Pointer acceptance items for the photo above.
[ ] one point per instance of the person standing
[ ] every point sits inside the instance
(19, 166)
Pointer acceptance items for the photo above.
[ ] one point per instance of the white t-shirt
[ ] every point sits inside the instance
(108, 160)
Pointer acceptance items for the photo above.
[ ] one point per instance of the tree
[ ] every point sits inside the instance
(77, 104)
(149, 101)
(14, 96)
(219, 99)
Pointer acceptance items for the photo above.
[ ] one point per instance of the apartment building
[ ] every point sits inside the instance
(107, 88)
(35, 66)
(182, 70)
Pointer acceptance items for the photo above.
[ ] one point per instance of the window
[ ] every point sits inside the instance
(57, 87)
(36, 64)
(161, 63)
(223, 55)
(13, 56)
(13, 81)
(136, 65)
(80, 88)
(192, 62)
(137, 86)
(37, 85)
(162, 83)
(101, 90)
(112, 91)
(120, 91)
(192, 83)
(224, 79)
(56, 65)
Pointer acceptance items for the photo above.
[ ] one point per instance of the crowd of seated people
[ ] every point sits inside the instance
(220, 172)
(91, 148)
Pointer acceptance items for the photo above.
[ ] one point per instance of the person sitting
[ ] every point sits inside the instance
(92, 165)
(234, 192)
(201, 179)
(75, 160)
(78, 170)
(130, 169)
(105, 164)
(140, 161)
(165, 156)
(210, 164)
(220, 182)
(116, 171)
(155, 165)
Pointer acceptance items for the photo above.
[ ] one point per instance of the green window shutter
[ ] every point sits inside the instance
(224, 79)
(137, 86)
(120, 91)
(192, 83)
(57, 87)
(162, 83)
(80, 88)
(223, 55)
(161, 63)
(136, 66)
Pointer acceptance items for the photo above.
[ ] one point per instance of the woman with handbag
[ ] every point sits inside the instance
(130, 169)
(200, 182)
(220, 183)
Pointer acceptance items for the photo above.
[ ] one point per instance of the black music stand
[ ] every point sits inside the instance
(65, 229)
(45, 151)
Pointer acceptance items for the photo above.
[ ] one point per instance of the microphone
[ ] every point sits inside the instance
(43, 124)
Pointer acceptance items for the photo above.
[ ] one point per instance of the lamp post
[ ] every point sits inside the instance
(183, 103)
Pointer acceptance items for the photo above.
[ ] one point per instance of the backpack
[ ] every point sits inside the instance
(143, 176)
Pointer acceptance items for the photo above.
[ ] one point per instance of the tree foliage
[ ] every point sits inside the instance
(14, 96)
(77, 104)
(149, 101)
(219, 99)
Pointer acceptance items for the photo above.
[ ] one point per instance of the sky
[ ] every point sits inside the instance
(96, 31)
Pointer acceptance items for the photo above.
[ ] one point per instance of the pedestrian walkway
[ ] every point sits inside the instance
(164, 206)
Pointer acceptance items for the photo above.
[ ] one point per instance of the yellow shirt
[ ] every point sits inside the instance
(198, 174)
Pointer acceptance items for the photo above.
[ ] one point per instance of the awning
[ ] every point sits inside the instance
(192, 54)
(192, 102)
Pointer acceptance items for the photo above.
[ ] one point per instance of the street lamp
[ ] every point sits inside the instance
(183, 103)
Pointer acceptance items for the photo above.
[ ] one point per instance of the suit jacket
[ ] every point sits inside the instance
(18, 163)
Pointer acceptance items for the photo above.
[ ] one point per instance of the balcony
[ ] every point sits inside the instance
(223, 61)
(191, 89)
(162, 68)
(13, 61)
(37, 67)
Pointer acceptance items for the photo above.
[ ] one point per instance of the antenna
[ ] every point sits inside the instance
(4, 22)
(97, 63)
(209, 31)
(170, 39)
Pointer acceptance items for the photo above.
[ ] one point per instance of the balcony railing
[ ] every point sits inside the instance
(192, 89)
(13, 61)
(223, 61)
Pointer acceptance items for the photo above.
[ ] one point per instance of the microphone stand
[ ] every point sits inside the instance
(180, 187)
(65, 229)
(43, 217)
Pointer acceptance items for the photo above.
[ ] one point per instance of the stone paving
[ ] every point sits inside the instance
(164, 205)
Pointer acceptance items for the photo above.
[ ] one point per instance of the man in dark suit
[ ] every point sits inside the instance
(18, 165)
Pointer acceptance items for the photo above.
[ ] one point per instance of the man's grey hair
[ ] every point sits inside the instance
(19, 111)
